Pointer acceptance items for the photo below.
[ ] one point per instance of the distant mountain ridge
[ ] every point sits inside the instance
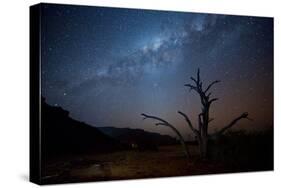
(63, 135)
(139, 136)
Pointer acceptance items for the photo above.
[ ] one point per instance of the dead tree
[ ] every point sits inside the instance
(201, 132)
(204, 119)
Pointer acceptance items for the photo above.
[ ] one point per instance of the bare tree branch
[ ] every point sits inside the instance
(211, 84)
(165, 123)
(156, 118)
(210, 120)
(191, 87)
(208, 96)
(193, 79)
(213, 100)
(160, 124)
(189, 123)
(198, 75)
(233, 122)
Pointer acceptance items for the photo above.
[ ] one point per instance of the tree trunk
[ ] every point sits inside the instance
(204, 148)
(203, 145)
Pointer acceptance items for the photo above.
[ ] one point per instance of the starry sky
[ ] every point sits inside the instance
(106, 66)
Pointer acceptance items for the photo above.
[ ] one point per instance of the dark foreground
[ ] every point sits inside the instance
(167, 161)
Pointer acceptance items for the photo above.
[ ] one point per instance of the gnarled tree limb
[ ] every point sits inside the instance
(195, 131)
(210, 120)
(212, 100)
(165, 123)
(191, 87)
(233, 122)
(211, 84)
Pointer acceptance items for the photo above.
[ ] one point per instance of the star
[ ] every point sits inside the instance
(103, 58)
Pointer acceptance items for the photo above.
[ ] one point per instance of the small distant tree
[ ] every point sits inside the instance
(201, 132)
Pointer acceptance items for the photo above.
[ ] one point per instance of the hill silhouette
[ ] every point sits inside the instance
(137, 136)
(63, 135)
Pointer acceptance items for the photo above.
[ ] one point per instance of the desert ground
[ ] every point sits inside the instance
(132, 164)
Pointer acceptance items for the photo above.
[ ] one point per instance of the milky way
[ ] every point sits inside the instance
(107, 66)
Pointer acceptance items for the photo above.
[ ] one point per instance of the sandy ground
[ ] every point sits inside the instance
(168, 161)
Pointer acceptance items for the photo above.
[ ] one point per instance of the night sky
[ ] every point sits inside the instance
(107, 66)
